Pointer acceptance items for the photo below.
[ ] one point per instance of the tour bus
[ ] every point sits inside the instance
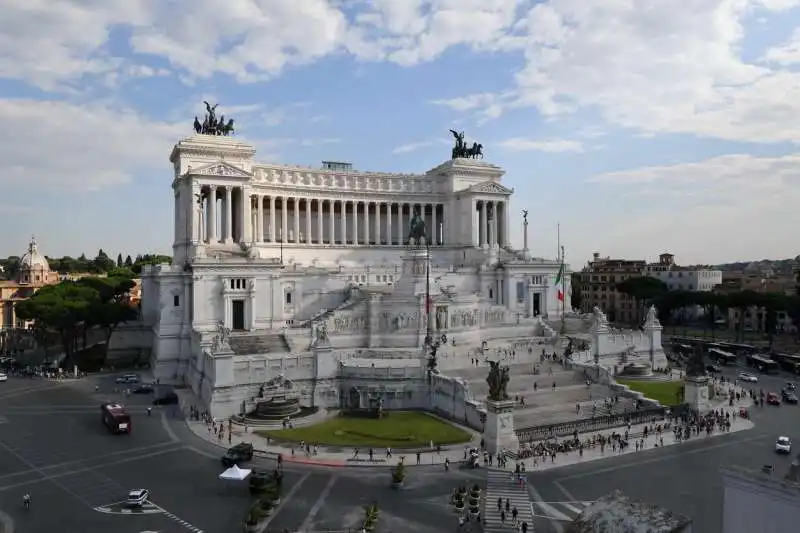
(762, 363)
(115, 418)
(788, 362)
(722, 357)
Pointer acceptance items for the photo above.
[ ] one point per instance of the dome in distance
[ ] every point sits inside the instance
(33, 260)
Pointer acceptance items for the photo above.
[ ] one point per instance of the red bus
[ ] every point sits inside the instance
(115, 418)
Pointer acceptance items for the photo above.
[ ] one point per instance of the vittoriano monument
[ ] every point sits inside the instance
(462, 150)
(498, 430)
(212, 125)
(417, 232)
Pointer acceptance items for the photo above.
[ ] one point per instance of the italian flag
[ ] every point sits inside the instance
(558, 283)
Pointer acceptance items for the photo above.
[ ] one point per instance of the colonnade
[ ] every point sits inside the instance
(231, 214)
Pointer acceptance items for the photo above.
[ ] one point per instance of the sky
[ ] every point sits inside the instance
(639, 126)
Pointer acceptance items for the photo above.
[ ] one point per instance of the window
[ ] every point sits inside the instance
(288, 298)
(491, 294)
(176, 301)
(520, 292)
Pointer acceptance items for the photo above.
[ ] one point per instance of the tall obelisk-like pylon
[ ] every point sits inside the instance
(526, 253)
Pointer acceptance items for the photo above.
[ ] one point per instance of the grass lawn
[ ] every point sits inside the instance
(399, 429)
(664, 392)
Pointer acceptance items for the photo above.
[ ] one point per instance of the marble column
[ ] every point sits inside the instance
(389, 234)
(435, 224)
(272, 231)
(246, 235)
(378, 236)
(506, 225)
(296, 204)
(211, 214)
(496, 218)
(260, 221)
(228, 214)
(283, 234)
(343, 221)
(366, 223)
(482, 240)
(308, 221)
(475, 224)
(355, 223)
(331, 223)
(320, 233)
(400, 237)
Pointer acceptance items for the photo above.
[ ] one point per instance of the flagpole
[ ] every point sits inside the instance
(563, 290)
(558, 239)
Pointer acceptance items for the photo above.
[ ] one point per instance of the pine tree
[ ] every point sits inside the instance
(119, 261)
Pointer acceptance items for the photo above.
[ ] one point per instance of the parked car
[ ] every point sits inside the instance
(169, 398)
(773, 399)
(128, 378)
(748, 378)
(238, 454)
(144, 389)
(783, 445)
(137, 497)
(3, 377)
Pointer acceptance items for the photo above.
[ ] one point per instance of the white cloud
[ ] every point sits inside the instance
(521, 144)
(746, 202)
(62, 146)
(416, 146)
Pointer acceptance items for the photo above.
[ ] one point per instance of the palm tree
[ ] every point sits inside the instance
(643, 290)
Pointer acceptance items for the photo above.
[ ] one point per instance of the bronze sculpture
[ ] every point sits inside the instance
(416, 229)
(212, 125)
(695, 367)
(461, 150)
(524, 216)
(498, 381)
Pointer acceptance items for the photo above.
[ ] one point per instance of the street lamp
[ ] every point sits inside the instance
(280, 240)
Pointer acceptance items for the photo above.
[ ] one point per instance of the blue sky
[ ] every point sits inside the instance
(639, 126)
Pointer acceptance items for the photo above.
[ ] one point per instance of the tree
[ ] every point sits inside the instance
(149, 259)
(128, 262)
(120, 264)
(743, 301)
(109, 308)
(60, 308)
(101, 263)
(644, 290)
(121, 272)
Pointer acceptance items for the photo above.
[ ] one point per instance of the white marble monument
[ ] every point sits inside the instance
(696, 394)
(498, 432)
(310, 274)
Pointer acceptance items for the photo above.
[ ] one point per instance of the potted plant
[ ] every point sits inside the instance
(459, 503)
(398, 475)
(370, 517)
(254, 517)
(462, 489)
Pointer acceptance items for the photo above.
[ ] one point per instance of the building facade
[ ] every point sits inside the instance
(302, 272)
(599, 280)
(33, 274)
(678, 278)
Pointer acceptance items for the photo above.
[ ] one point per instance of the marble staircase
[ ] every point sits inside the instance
(259, 343)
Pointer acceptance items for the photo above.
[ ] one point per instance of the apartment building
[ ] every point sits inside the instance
(598, 281)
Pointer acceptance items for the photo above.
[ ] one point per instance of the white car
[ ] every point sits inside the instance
(137, 497)
(3, 377)
(748, 378)
(783, 445)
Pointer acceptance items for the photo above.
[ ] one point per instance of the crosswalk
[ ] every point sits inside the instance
(500, 484)
(561, 511)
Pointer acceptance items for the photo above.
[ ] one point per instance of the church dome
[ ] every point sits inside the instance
(33, 261)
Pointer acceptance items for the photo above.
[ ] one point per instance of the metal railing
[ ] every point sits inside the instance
(588, 425)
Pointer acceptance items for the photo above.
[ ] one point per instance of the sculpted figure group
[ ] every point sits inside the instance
(212, 125)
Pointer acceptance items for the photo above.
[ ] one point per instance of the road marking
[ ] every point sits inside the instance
(284, 499)
(79, 461)
(179, 520)
(679, 453)
(21, 392)
(54, 477)
(167, 428)
(318, 504)
(571, 507)
(552, 512)
(148, 508)
(537, 499)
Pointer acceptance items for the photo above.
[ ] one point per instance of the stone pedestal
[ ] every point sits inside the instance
(498, 431)
(695, 393)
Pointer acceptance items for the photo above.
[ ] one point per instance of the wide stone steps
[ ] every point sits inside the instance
(501, 484)
(258, 344)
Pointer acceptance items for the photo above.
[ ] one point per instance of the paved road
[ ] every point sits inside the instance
(53, 445)
(684, 478)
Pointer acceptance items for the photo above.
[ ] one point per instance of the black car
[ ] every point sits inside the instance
(144, 389)
(714, 369)
(238, 454)
(168, 399)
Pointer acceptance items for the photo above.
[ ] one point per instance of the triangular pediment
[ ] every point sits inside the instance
(490, 187)
(220, 169)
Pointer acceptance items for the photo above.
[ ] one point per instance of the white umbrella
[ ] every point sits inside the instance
(235, 473)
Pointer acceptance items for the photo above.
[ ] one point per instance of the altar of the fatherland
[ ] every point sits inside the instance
(308, 275)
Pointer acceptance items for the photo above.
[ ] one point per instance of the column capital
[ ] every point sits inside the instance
(228, 188)
(212, 187)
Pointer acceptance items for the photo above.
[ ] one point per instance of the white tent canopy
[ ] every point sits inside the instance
(235, 473)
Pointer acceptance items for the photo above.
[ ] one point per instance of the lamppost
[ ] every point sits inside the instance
(280, 240)
(433, 345)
